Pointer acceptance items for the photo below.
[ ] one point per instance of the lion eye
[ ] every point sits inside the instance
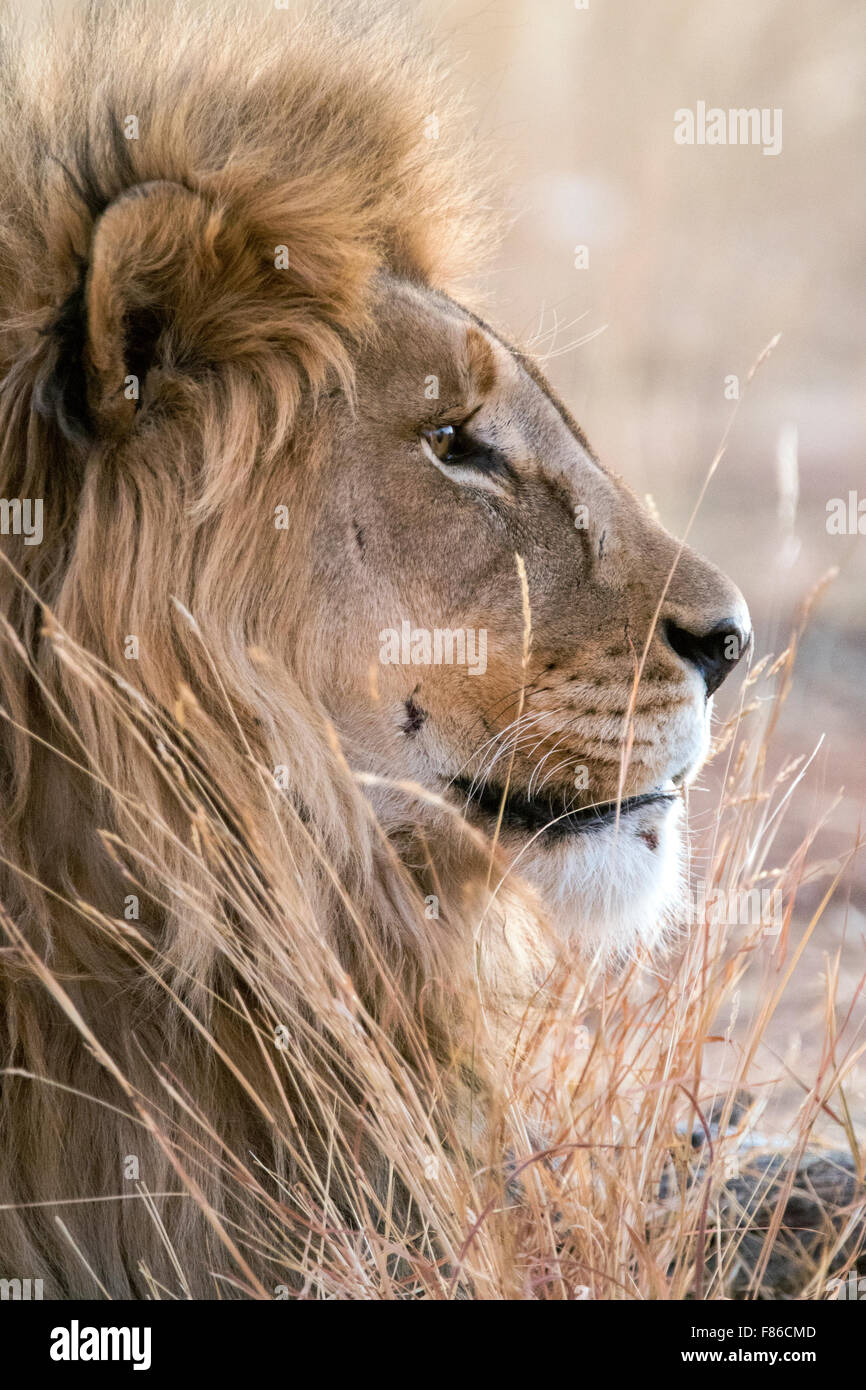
(443, 442)
(460, 451)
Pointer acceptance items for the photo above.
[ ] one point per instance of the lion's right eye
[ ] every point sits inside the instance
(443, 442)
(465, 457)
(453, 444)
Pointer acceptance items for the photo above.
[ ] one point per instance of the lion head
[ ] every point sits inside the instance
(453, 458)
(337, 633)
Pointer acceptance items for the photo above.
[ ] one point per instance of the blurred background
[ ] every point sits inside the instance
(696, 257)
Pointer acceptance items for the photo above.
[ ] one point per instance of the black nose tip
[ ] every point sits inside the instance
(714, 653)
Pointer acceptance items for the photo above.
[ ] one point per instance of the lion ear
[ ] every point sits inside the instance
(152, 268)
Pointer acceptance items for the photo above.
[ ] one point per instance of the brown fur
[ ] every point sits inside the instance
(261, 387)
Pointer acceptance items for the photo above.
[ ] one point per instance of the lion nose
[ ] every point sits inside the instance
(715, 653)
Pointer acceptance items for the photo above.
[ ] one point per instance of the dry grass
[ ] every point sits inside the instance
(584, 1180)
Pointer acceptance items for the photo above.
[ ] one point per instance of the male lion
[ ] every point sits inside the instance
(341, 666)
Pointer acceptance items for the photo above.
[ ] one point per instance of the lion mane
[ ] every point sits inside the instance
(229, 1011)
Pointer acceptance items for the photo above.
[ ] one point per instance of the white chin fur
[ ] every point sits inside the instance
(609, 890)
